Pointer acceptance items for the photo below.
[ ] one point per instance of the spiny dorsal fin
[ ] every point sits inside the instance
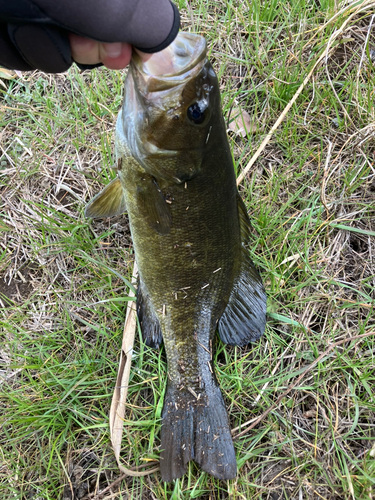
(108, 203)
(153, 206)
(244, 318)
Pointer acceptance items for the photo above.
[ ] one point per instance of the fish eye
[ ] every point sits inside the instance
(195, 114)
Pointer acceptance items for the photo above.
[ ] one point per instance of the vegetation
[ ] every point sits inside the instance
(311, 200)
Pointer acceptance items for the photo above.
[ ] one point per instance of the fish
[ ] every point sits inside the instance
(191, 237)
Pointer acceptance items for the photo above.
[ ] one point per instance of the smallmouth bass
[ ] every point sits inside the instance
(190, 230)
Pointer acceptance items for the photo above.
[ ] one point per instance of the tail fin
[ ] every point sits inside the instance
(195, 427)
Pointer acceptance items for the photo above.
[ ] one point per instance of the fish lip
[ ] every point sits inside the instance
(186, 56)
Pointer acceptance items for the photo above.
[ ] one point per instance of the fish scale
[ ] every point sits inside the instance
(187, 257)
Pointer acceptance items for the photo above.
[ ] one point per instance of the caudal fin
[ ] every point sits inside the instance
(195, 427)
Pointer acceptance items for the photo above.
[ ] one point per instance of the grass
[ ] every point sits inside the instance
(311, 199)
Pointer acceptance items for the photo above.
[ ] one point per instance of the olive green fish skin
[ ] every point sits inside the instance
(189, 272)
(183, 206)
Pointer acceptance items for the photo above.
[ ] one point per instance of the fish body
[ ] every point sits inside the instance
(190, 230)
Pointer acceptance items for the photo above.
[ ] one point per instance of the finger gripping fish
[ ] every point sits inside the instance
(190, 231)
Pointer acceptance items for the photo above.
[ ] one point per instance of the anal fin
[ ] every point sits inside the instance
(150, 326)
(244, 318)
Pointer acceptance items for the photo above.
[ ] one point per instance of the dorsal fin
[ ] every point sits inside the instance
(244, 317)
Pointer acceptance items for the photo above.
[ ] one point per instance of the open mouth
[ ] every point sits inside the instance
(172, 66)
(184, 53)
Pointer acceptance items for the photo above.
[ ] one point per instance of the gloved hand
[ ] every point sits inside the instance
(34, 33)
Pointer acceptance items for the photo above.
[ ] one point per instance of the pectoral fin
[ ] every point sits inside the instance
(244, 317)
(154, 209)
(108, 203)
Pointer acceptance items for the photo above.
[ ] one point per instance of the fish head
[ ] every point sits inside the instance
(171, 102)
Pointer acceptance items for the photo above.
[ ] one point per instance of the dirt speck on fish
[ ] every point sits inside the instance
(190, 231)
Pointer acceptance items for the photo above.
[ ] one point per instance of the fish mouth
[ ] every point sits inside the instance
(171, 67)
(154, 87)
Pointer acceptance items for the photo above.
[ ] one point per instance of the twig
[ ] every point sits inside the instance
(291, 387)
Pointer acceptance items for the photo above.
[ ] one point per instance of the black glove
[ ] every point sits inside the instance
(34, 33)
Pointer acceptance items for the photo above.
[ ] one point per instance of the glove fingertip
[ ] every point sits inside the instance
(172, 34)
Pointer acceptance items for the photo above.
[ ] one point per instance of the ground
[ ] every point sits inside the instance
(301, 400)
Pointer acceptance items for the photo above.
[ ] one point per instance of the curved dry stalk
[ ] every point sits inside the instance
(118, 405)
